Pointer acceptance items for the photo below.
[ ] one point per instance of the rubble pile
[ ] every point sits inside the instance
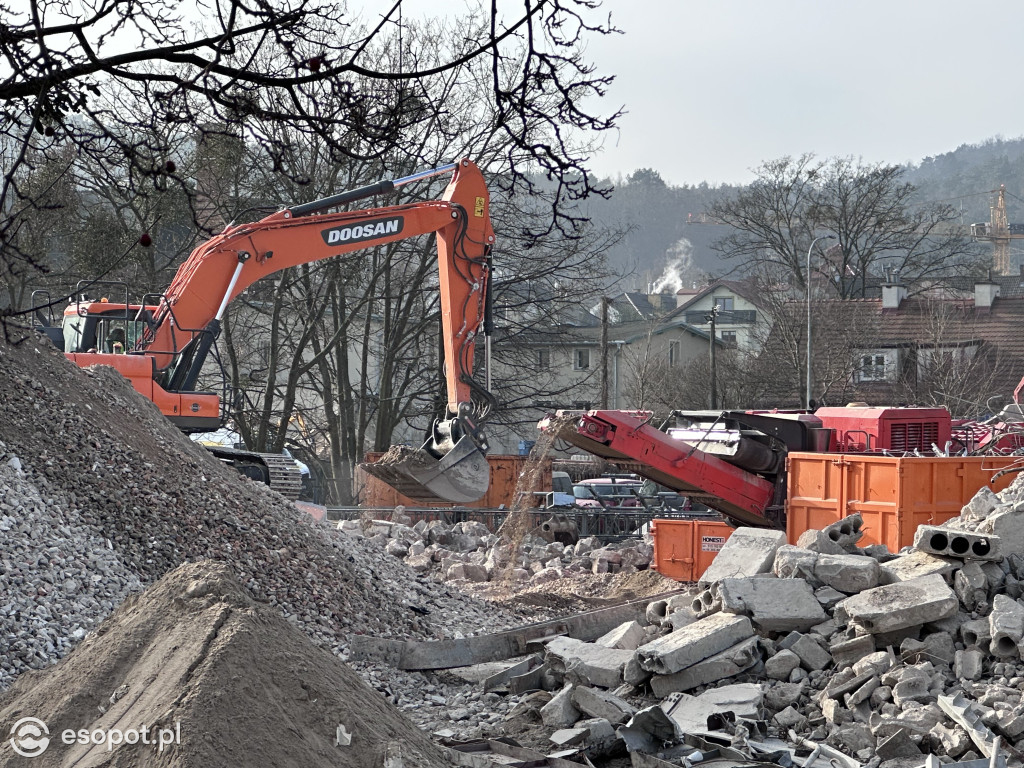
(469, 551)
(100, 496)
(853, 653)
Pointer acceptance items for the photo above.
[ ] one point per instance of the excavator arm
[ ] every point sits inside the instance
(185, 323)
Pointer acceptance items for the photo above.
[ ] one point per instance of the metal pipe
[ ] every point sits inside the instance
(231, 287)
(807, 281)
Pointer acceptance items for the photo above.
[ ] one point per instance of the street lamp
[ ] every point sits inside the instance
(807, 281)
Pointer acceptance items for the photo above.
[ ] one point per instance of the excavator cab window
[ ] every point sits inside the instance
(118, 335)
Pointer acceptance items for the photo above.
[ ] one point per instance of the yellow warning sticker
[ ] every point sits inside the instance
(478, 211)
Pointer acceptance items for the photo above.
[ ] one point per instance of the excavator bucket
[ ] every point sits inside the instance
(461, 475)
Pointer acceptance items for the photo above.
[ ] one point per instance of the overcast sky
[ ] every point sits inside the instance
(716, 87)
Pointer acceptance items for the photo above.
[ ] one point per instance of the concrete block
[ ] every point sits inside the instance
(560, 712)
(748, 551)
(901, 605)
(569, 737)
(625, 637)
(915, 565)
(790, 717)
(812, 656)
(828, 597)
(779, 666)
(729, 663)
(969, 664)
(587, 663)
(963, 545)
(875, 663)
(1006, 624)
(1008, 524)
(897, 745)
(774, 605)
(693, 643)
(819, 541)
(862, 693)
(794, 562)
(849, 651)
(846, 532)
(847, 573)
(976, 632)
(781, 695)
(971, 586)
(601, 704)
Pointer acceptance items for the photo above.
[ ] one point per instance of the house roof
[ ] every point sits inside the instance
(743, 289)
(924, 322)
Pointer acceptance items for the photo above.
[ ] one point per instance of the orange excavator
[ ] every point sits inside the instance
(161, 345)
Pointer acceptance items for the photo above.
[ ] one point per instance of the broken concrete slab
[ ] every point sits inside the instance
(740, 658)
(847, 573)
(464, 652)
(748, 551)
(915, 565)
(901, 605)
(693, 643)
(1006, 625)
(969, 664)
(587, 663)
(560, 712)
(812, 656)
(626, 637)
(850, 651)
(691, 713)
(774, 605)
(601, 704)
(843, 572)
(819, 541)
(648, 730)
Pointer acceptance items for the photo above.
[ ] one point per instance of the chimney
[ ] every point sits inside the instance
(985, 293)
(893, 293)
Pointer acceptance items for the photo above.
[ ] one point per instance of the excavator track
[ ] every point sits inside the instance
(279, 472)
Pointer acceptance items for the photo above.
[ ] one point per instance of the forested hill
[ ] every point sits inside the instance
(668, 233)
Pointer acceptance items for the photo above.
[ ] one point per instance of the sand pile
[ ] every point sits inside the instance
(221, 679)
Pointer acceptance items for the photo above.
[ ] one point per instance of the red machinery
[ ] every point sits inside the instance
(735, 461)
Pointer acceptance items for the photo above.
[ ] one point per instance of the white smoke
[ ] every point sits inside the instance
(679, 269)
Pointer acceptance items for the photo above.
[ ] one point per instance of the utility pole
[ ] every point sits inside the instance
(712, 317)
(605, 301)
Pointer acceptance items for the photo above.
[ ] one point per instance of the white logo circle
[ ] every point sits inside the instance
(30, 737)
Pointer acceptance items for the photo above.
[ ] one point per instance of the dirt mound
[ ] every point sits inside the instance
(195, 656)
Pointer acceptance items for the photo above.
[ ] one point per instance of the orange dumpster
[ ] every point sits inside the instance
(684, 549)
(893, 494)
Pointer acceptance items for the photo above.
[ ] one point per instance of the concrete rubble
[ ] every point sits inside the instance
(823, 654)
(469, 552)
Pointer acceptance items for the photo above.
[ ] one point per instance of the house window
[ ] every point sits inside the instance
(580, 359)
(725, 303)
(543, 359)
(872, 367)
(729, 337)
(673, 354)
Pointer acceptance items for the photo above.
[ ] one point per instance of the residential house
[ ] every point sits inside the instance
(742, 320)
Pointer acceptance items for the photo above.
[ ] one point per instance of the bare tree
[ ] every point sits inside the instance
(870, 209)
(121, 83)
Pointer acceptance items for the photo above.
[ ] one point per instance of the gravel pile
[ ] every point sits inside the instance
(100, 496)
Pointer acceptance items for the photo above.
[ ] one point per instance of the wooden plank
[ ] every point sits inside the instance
(464, 652)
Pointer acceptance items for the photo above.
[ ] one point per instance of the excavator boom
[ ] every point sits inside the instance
(178, 330)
